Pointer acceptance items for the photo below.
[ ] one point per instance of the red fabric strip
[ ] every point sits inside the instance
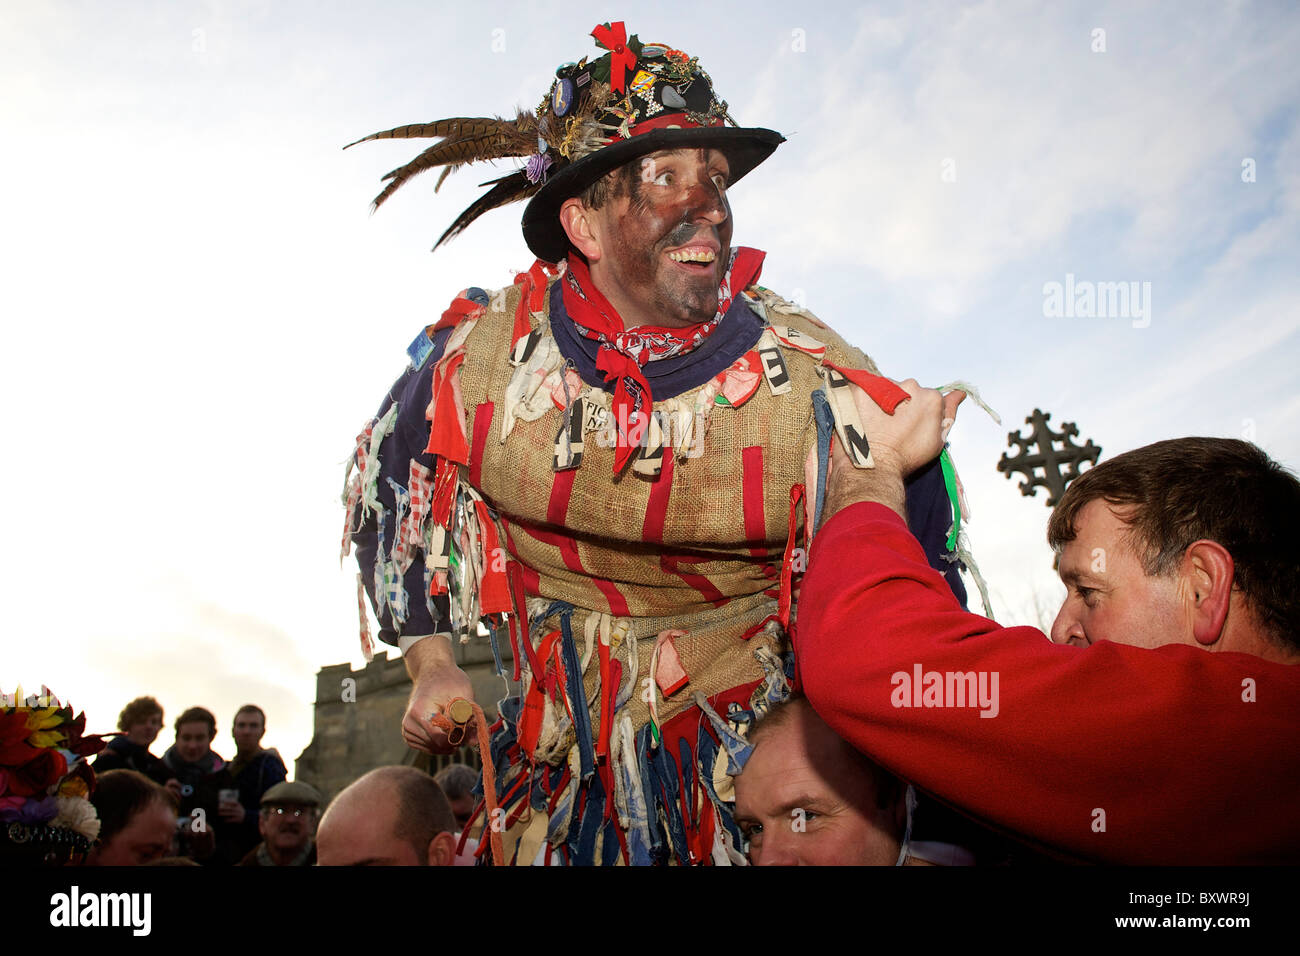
(494, 592)
(444, 492)
(758, 627)
(702, 584)
(787, 566)
(522, 323)
(460, 308)
(514, 572)
(752, 496)
(569, 552)
(561, 488)
(532, 298)
(671, 119)
(617, 603)
(447, 431)
(537, 289)
(883, 392)
(606, 712)
(656, 509)
(482, 426)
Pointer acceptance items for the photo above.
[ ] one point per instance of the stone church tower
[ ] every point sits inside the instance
(359, 717)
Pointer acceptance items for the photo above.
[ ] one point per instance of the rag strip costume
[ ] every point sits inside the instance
(627, 510)
(1113, 728)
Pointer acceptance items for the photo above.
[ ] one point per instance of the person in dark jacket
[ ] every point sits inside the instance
(140, 722)
(255, 770)
(197, 776)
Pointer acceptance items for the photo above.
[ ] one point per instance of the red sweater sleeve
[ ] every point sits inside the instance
(1183, 755)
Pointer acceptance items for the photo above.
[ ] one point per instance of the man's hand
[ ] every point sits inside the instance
(174, 786)
(232, 811)
(911, 437)
(900, 443)
(437, 680)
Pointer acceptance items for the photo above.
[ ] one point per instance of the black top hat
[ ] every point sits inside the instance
(635, 99)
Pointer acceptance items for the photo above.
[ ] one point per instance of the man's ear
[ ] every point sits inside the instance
(1209, 571)
(581, 228)
(442, 849)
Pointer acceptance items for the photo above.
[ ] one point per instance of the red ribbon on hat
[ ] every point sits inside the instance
(613, 37)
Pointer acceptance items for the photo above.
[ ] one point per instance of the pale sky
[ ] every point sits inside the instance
(199, 305)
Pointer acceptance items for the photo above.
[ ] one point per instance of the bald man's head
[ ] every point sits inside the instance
(393, 816)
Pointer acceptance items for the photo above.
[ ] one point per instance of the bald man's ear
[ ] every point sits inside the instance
(581, 227)
(1209, 571)
(442, 849)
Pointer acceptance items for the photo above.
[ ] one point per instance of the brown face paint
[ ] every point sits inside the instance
(672, 202)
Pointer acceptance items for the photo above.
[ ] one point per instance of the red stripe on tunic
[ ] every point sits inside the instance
(482, 425)
(752, 484)
(656, 509)
(702, 584)
(561, 488)
(569, 552)
(531, 579)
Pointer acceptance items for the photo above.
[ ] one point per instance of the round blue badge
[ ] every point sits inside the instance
(562, 96)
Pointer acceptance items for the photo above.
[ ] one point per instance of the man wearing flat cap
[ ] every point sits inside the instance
(287, 823)
(615, 464)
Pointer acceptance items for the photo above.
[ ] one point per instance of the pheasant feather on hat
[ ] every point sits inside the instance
(635, 99)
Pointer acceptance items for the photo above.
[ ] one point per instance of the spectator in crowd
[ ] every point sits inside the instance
(392, 816)
(805, 797)
(255, 770)
(287, 822)
(140, 722)
(457, 782)
(196, 775)
(137, 820)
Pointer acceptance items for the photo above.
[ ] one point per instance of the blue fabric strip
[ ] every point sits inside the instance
(651, 793)
(665, 771)
(577, 697)
(825, 420)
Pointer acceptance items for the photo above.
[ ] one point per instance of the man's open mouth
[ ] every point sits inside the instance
(693, 255)
(694, 258)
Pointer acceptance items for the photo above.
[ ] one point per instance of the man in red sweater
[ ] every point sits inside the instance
(1158, 726)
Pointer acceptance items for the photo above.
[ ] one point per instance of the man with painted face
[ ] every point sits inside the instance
(616, 464)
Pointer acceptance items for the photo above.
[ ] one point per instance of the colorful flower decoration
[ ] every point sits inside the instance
(44, 778)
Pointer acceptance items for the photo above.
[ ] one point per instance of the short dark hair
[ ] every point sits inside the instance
(422, 810)
(196, 715)
(252, 709)
(1183, 490)
(457, 780)
(615, 183)
(888, 788)
(121, 794)
(140, 709)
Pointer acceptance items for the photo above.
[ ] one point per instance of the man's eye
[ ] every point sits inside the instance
(720, 180)
(1088, 595)
(664, 179)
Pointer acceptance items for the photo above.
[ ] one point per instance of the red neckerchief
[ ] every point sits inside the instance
(623, 352)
